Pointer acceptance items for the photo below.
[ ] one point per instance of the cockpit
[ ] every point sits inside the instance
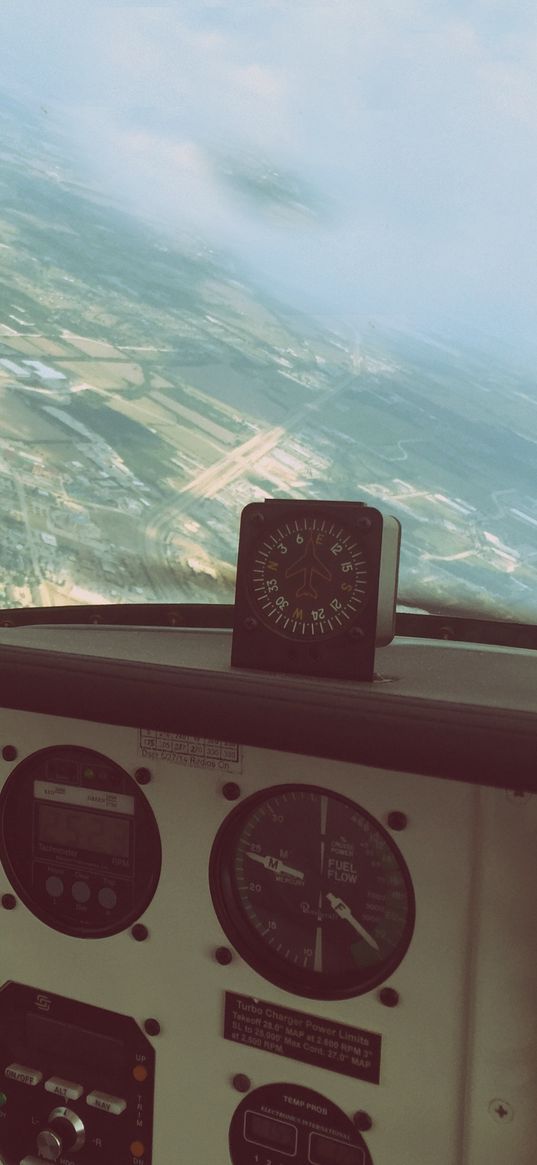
(268, 551)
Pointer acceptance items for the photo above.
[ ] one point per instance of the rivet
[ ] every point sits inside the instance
(223, 956)
(362, 1121)
(231, 791)
(152, 1027)
(397, 820)
(139, 932)
(241, 1082)
(389, 996)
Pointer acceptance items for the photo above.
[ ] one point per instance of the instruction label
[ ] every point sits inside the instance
(195, 752)
(350, 1051)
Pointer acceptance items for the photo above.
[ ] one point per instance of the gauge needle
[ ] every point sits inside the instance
(344, 911)
(274, 864)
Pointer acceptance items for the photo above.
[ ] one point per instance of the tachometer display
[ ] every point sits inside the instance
(312, 891)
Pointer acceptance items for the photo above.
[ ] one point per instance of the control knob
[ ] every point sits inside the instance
(64, 1133)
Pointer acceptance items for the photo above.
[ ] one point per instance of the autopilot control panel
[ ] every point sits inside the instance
(77, 1080)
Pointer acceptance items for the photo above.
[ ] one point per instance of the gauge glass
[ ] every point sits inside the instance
(312, 891)
(309, 578)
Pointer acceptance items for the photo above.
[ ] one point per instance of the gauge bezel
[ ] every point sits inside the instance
(259, 956)
(348, 652)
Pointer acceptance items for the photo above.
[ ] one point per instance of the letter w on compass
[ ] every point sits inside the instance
(308, 565)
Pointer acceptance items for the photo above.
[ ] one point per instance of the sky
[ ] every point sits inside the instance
(363, 158)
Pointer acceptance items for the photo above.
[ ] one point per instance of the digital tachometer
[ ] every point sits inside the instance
(79, 841)
(312, 891)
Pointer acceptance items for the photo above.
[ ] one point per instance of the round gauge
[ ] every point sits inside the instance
(308, 577)
(79, 841)
(282, 1121)
(312, 891)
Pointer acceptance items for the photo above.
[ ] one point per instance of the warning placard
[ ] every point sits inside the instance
(192, 751)
(336, 1046)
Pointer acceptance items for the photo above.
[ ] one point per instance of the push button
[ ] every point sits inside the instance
(106, 1103)
(23, 1075)
(54, 886)
(107, 897)
(66, 1088)
(80, 891)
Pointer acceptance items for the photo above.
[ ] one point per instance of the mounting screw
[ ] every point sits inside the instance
(152, 1027)
(241, 1082)
(362, 1121)
(446, 632)
(140, 932)
(501, 1111)
(356, 633)
(389, 996)
(9, 901)
(231, 791)
(143, 776)
(9, 752)
(250, 623)
(397, 820)
(258, 517)
(363, 523)
(223, 956)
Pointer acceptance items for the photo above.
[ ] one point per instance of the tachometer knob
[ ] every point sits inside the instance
(64, 1133)
(50, 1144)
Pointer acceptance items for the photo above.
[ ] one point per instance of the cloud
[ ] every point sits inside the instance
(260, 81)
(512, 90)
(416, 121)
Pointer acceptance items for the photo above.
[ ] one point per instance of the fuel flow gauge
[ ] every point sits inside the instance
(312, 891)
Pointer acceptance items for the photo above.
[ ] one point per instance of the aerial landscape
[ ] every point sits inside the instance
(150, 390)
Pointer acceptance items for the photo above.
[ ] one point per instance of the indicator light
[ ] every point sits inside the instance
(140, 1073)
(137, 1148)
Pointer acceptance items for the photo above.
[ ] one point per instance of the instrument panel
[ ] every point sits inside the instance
(221, 952)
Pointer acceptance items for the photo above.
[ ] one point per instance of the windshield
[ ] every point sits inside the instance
(247, 251)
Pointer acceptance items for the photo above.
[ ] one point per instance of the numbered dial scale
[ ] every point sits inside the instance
(307, 588)
(312, 891)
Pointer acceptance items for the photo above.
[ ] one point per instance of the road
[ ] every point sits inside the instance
(40, 583)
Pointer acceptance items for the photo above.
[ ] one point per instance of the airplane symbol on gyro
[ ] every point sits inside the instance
(308, 565)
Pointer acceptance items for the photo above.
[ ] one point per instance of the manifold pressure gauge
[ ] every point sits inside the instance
(308, 581)
(312, 891)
